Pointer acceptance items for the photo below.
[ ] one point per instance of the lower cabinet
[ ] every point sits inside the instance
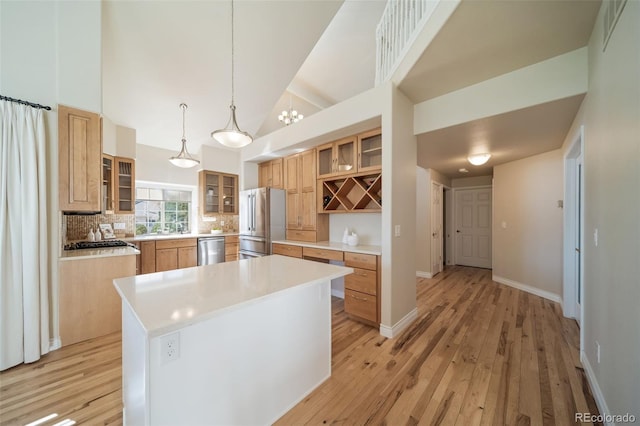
(176, 254)
(361, 289)
(231, 247)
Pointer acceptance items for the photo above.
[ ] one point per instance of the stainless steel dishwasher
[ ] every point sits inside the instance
(210, 250)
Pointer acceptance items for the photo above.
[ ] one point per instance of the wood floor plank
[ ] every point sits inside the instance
(479, 353)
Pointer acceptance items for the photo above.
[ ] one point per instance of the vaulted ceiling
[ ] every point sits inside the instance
(315, 53)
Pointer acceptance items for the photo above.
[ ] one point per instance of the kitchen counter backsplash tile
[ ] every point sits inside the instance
(230, 223)
(78, 226)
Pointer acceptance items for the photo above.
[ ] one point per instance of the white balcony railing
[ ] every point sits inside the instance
(401, 22)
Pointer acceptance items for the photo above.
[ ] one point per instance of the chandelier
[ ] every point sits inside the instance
(290, 116)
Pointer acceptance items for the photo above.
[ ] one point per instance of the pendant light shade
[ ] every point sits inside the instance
(231, 135)
(184, 159)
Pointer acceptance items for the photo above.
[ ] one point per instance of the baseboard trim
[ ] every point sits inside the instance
(533, 290)
(398, 327)
(337, 293)
(597, 392)
(55, 343)
(422, 274)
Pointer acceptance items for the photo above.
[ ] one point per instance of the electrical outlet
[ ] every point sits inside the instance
(222, 223)
(397, 230)
(595, 237)
(598, 352)
(119, 225)
(169, 348)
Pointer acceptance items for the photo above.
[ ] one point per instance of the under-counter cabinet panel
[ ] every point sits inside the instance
(362, 288)
(89, 304)
(79, 160)
(147, 257)
(176, 254)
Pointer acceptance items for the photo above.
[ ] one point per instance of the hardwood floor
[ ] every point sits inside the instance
(480, 353)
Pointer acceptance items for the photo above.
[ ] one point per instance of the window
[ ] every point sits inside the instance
(162, 210)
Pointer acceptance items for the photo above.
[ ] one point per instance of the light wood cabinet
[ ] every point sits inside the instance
(79, 160)
(218, 193)
(89, 304)
(147, 257)
(362, 288)
(270, 174)
(370, 151)
(118, 184)
(337, 158)
(124, 185)
(231, 248)
(287, 250)
(176, 254)
(303, 223)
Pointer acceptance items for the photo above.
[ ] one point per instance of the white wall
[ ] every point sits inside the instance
(50, 54)
(610, 114)
(528, 251)
(152, 165)
(472, 181)
(368, 226)
(399, 209)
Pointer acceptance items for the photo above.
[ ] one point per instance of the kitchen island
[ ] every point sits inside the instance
(231, 343)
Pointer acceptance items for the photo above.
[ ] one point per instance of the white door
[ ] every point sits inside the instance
(578, 238)
(436, 228)
(473, 227)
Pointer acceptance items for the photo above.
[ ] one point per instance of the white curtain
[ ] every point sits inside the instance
(24, 295)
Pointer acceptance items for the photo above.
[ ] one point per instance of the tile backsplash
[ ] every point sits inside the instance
(230, 223)
(76, 227)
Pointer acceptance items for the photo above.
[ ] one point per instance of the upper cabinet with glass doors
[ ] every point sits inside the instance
(337, 158)
(218, 193)
(355, 154)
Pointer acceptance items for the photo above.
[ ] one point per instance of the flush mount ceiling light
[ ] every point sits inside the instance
(184, 159)
(291, 116)
(231, 135)
(479, 159)
(463, 170)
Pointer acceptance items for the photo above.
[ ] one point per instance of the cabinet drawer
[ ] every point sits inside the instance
(361, 305)
(357, 260)
(362, 280)
(309, 236)
(322, 253)
(287, 250)
(230, 248)
(230, 239)
(181, 242)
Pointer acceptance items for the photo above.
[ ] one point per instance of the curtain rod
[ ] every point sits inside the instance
(6, 98)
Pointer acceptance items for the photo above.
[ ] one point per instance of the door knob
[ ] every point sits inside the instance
(458, 231)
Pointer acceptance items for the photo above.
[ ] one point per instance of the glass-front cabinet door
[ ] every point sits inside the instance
(370, 151)
(345, 156)
(325, 160)
(107, 183)
(337, 158)
(125, 177)
(229, 191)
(210, 193)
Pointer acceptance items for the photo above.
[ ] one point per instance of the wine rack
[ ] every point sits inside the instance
(357, 193)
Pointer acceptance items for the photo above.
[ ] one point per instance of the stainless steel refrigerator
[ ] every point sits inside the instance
(262, 220)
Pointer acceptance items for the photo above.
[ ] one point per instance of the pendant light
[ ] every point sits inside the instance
(231, 135)
(184, 159)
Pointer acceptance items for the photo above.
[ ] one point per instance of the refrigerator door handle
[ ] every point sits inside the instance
(253, 212)
(249, 212)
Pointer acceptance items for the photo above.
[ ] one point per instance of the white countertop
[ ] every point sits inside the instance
(167, 301)
(96, 253)
(176, 236)
(332, 245)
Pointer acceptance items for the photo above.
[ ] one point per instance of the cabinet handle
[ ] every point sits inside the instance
(364, 299)
(362, 274)
(359, 160)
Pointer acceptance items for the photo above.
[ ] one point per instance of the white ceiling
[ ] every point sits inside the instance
(315, 53)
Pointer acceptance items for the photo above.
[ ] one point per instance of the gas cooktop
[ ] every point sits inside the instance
(97, 244)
